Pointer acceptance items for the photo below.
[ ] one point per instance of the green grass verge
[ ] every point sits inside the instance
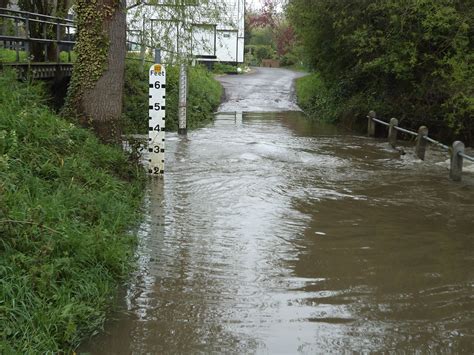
(204, 96)
(9, 56)
(222, 68)
(327, 103)
(66, 204)
(314, 97)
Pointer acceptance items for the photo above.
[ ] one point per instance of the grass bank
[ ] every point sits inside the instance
(314, 97)
(204, 96)
(66, 203)
(9, 56)
(327, 103)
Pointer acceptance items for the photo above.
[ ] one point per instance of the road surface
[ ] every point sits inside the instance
(262, 90)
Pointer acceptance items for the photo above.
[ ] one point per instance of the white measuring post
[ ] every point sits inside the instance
(156, 122)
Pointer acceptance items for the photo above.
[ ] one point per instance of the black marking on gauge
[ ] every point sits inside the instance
(162, 150)
(149, 96)
(150, 107)
(163, 86)
(150, 128)
(163, 108)
(151, 86)
(150, 150)
(164, 97)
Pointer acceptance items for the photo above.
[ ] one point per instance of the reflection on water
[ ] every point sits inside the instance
(273, 234)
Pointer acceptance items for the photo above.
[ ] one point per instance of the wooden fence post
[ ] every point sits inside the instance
(456, 161)
(421, 142)
(27, 36)
(392, 132)
(17, 44)
(371, 124)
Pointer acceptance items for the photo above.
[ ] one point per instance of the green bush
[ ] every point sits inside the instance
(259, 52)
(412, 60)
(204, 95)
(66, 204)
(222, 68)
(315, 98)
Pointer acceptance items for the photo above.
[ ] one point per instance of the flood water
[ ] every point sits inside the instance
(273, 234)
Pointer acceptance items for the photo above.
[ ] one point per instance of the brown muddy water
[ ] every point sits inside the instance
(273, 234)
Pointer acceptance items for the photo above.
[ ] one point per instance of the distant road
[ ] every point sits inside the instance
(262, 90)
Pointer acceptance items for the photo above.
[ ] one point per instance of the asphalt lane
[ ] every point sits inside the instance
(261, 90)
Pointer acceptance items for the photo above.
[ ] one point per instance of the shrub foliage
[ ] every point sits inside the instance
(204, 96)
(410, 59)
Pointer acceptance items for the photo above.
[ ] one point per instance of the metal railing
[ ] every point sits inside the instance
(456, 151)
(19, 30)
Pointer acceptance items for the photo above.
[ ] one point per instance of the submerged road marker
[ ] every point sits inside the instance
(157, 117)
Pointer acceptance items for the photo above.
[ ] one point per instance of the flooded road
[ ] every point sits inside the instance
(262, 90)
(274, 234)
(271, 234)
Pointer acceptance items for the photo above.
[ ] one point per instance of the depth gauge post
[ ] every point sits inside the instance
(157, 117)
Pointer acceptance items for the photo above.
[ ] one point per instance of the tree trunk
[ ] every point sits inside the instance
(103, 103)
(95, 93)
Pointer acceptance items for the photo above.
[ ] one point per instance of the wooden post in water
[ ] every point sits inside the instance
(183, 77)
(456, 161)
(371, 123)
(421, 142)
(392, 132)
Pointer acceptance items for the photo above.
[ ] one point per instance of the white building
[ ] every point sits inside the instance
(207, 30)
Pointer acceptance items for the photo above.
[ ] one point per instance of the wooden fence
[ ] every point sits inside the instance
(16, 32)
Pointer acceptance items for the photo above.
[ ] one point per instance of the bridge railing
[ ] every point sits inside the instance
(456, 151)
(20, 29)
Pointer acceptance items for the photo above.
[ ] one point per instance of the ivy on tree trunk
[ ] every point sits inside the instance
(95, 92)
